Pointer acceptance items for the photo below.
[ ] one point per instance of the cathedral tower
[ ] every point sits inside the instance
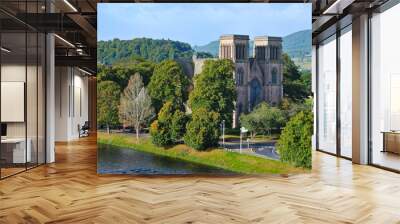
(234, 47)
(268, 50)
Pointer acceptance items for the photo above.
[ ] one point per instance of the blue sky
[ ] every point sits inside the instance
(198, 24)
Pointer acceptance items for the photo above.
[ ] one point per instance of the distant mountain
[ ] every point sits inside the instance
(211, 47)
(297, 45)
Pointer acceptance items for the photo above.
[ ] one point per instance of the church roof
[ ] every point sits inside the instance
(234, 36)
(268, 38)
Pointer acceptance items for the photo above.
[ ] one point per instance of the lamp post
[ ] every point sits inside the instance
(223, 133)
(240, 150)
(242, 130)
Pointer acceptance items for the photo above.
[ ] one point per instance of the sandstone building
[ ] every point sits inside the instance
(258, 78)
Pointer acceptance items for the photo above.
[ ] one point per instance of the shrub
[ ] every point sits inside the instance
(170, 126)
(202, 131)
(294, 145)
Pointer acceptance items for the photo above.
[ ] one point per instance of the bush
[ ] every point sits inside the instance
(294, 145)
(170, 126)
(202, 131)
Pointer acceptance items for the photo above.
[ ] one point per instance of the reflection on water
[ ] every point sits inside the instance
(117, 160)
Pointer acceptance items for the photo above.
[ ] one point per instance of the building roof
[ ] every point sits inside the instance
(270, 38)
(234, 36)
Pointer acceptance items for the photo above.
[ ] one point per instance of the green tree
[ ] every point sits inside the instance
(108, 94)
(120, 72)
(202, 131)
(290, 69)
(294, 145)
(168, 83)
(202, 54)
(291, 108)
(108, 52)
(178, 125)
(296, 85)
(214, 89)
(263, 119)
(169, 127)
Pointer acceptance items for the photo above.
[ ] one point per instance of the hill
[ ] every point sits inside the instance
(211, 47)
(154, 50)
(297, 45)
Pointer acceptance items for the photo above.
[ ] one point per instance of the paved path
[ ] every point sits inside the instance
(266, 149)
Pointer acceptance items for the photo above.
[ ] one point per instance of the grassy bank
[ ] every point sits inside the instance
(232, 161)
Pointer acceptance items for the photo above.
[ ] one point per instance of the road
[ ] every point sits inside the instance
(266, 149)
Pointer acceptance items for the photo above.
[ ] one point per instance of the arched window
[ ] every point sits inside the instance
(239, 76)
(240, 109)
(274, 76)
(255, 93)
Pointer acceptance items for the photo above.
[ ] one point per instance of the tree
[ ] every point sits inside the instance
(202, 54)
(214, 89)
(108, 93)
(178, 125)
(294, 145)
(169, 127)
(168, 83)
(291, 108)
(150, 49)
(121, 71)
(202, 131)
(290, 69)
(135, 104)
(296, 85)
(263, 119)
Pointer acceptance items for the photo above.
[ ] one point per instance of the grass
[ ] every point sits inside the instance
(232, 161)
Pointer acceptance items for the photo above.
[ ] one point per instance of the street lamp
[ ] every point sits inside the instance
(242, 130)
(223, 133)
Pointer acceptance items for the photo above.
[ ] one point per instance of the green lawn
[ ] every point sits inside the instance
(232, 161)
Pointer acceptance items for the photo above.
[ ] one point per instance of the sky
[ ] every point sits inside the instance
(198, 24)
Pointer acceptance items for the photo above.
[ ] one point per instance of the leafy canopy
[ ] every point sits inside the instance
(108, 93)
(263, 119)
(150, 49)
(296, 85)
(120, 72)
(214, 89)
(202, 131)
(168, 83)
(169, 128)
(294, 145)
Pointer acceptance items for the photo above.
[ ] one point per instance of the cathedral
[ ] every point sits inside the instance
(258, 78)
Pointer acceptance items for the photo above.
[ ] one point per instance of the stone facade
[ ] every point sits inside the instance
(258, 78)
